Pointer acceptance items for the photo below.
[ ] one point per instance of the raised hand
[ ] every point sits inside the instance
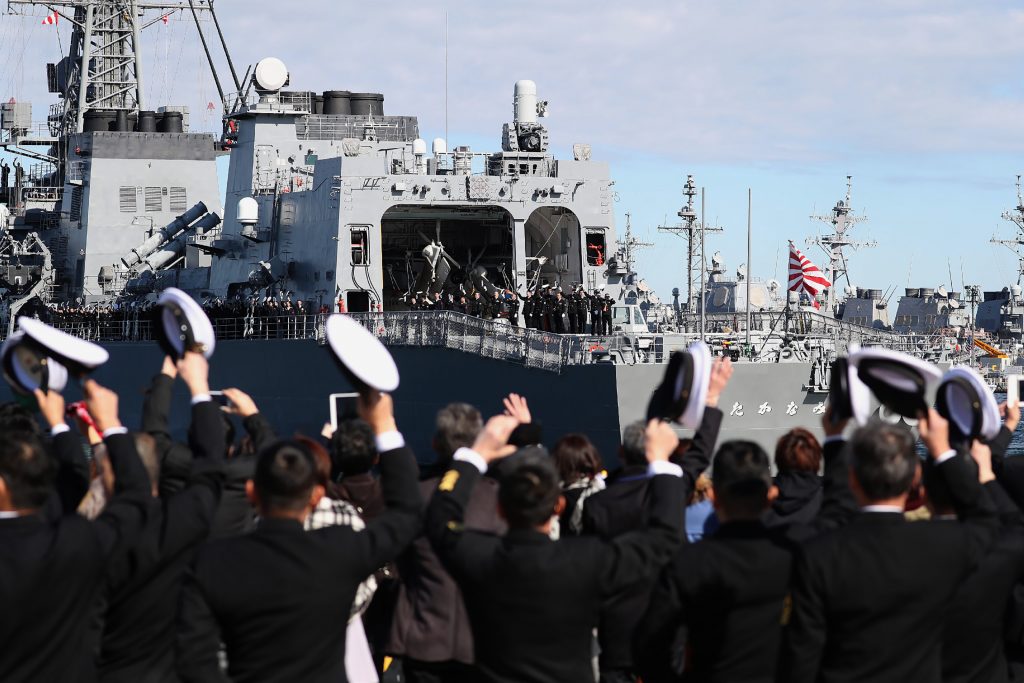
(1011, 414)
(378, 411)
(195, 372)
(241, 403)
(102, 405)
(660, 441)
(51, 405)
(515, 406)
(832, 428)
(721, 371)
(169, 367)
(982, 455)
(492, 441)
(934, 430)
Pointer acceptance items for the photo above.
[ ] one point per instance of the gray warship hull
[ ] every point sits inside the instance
(290, 380)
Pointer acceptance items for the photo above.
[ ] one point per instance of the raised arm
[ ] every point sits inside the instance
(125, 514)
(260, 431)
(388, 534)
(640, 555)
(175, 458)
(447, 508)
(697, 458)
(72, 481)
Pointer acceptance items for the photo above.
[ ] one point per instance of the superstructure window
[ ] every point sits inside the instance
(360, 255)
(178, 200)
(128, 200)
(595, 249)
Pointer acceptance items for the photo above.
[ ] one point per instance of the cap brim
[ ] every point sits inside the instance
(26, 367)
(694, 413)
(360, 353)
(898, 380)
(962, 407)
(75, 354)
(199, 335)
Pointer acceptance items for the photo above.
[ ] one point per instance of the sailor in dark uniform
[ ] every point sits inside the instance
(596, 314)
(476, 305)
(537, 315)
(606, 314)
(560, 313)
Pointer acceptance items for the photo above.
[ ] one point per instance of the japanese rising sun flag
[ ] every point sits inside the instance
(50, 19)
(804, 276)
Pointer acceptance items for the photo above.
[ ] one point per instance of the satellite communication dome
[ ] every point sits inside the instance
(849, 290)
(248, 211)
(1015, 289)
(943, 292)
(440, 146)
(419, 146)
(271, 74)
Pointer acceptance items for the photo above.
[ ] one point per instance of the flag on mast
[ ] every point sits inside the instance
(51, 19)
(804, 276)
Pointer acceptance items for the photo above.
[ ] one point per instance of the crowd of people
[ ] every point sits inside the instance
(548, 308)
(130, 556)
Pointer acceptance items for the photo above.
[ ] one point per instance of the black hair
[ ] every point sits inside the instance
(353, 448)
(883, 460)
(741, 479)
(529, 491)
(285, 476)
(937, 489)
(27, 469)
(14, 417)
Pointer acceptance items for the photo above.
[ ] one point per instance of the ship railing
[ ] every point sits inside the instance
(353, 126)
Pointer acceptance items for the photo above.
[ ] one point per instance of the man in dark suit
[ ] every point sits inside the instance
(623, 507)
(973, 641)
(431, 630)
(869, 599)
(137, 645)
(533, 602)
(728, 592)
(280, 597)
(52, 567)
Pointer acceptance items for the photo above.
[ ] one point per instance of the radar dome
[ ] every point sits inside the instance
(419, 146)
(1015, 289)
(271, 74)
(248, 211)
(440, 146)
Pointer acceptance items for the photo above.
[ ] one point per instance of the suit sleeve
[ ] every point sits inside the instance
(259, 429)
(804, 638)
(175, 459)
(640, 555)
(191, 512)
(656, 632)
(125, 514)
(72, 481)
(697, 458)
(390, 532)
(1009, 471)
(198, 636)
(461, 551)
(838, 505)
(973, 506)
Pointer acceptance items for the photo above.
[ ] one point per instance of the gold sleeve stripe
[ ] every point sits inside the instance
(448, 481)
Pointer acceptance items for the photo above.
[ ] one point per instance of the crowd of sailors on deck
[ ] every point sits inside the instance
(506, 555)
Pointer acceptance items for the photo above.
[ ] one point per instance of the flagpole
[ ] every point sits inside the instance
(703, 265)
(749, 266)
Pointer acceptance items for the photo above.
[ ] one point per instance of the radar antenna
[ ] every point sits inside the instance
(842, 220)
(629, 246)
(1016, 216)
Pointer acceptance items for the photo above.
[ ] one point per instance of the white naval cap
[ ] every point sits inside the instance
(38, 356)
(363, 359)
(683, 391)
(898, 380)
(968, 403)
(182, 325)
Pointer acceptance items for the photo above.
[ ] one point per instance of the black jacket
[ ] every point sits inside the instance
(799, 499)
(533, 602)
(52, 569)
(869, 599)
(728, 593)
(623, 507)
(430, 621)
(279, 597)
(137, 645)
(972, 645)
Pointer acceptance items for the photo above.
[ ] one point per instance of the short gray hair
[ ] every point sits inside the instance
(457, 426)
(634, 452)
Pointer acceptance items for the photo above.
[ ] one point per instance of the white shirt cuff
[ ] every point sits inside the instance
(201, 398)
(389, 441)
(833, 439)
(59, 429)
(472, 457)
(114, 430)
(945, 456)
(664, 467)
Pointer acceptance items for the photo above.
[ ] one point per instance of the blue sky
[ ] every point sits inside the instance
(920, 100)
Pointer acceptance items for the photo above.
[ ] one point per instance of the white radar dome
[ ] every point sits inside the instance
(440, 146)
(248, 211)
(271, 74)
(419, 146)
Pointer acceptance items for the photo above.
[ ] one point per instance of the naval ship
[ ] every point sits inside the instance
(332, 202)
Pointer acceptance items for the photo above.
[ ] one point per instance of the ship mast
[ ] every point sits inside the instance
(1016, 216)
(842, 220)
(630, 244)
(693, 231)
